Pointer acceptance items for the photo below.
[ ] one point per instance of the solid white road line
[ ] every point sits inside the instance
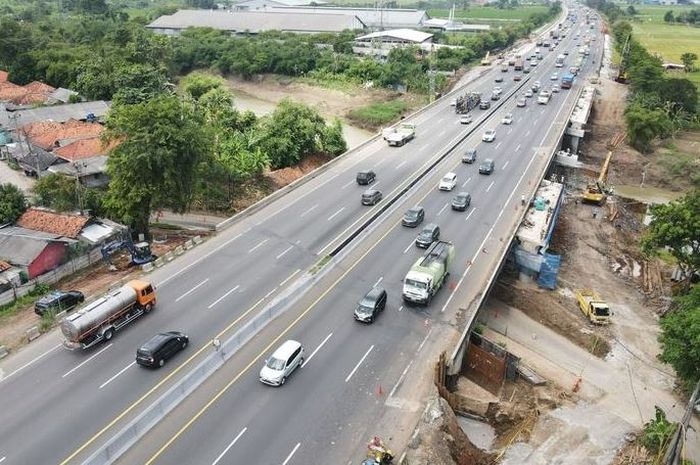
(270, 293)
(490, 186)
(87, 360)
(191, 290)
(465, 182)
(258, 246)
(443, 209)
(470, 214)
(289, 457)
(223, 297)
(229, 446)
(506, 164)
(285, 251)
(2, 459)
(289, 277)
(309, 210)
(378, 281)
(409, 246)
(335, 214)
(420, 346)
(306, 361)
(118, 373)
(400, 380)
(31, 362)
(359, 363)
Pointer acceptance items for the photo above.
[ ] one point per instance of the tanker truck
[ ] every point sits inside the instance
(99, 320)
(428, 274)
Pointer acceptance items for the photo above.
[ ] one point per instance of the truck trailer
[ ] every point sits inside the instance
(99, 320)
(428, 274)
(567, 81)
(593, 307)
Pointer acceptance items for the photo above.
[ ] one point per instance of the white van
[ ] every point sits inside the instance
(282, 363)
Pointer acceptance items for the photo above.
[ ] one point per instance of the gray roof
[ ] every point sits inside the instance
(403, 35)
(256, 21)
(62, 95)
(28, 160)
(371, 17)
(86, 166)
(20, 246)
(260, 3)
(59, 113)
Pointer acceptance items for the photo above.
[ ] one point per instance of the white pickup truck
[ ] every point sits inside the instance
(399, 135)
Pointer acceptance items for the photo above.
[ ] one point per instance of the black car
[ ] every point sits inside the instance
(58, 301)
(413, 216)
(469, 156)
(485, 105)
(371, 197)
(487, 167)
(429, 234)
(371, 305)
(161, 347)
(365, 177)
(461, 201)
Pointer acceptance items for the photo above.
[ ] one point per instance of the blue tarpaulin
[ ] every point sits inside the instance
(549, 271)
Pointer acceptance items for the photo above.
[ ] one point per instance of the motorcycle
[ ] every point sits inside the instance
(378, 453)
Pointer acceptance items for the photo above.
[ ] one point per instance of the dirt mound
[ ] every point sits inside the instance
(284, 176)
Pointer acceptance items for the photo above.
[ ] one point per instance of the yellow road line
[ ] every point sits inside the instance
(223, 390)
(157, 386)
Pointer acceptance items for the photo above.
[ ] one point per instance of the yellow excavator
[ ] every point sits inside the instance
(487, 60)
(596, 192)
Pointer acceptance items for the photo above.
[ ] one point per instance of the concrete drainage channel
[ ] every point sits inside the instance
(118, 444)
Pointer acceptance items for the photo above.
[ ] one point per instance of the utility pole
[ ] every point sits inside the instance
(431, 73)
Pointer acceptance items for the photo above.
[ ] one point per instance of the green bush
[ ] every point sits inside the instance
(378, 114)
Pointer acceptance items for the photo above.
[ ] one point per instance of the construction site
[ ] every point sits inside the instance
(568, 373)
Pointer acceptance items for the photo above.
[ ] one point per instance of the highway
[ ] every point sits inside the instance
(60, 400)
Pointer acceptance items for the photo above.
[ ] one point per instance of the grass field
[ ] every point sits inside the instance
(656, 13)
(489, 13)
(668, 40)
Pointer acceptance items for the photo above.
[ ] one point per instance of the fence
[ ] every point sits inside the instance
(52, 276)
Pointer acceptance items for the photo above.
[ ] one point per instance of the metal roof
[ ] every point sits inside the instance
(59, 113)
(256, 21)
(408, 35)
(254, 3)
(371, 17)
(21, 246)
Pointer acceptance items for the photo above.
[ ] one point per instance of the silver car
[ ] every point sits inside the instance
(287, 358)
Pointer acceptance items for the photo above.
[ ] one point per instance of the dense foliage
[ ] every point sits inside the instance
(12, 203)
(680, 336)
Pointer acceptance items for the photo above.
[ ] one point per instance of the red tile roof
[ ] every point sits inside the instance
(84, 148)
(52, 222)
(4, 266)
(47, 134)
(34, 92)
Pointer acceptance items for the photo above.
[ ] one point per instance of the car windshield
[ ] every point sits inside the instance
(417, 284)
(461, 198)
(411, 214)
(275, 363)
(364, 308)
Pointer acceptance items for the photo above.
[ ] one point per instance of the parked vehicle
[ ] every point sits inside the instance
(287, 358)
(160, 348)
(99, 320)
(428, 274)
(58, 301)
(365, 177)
(593, 307)
(399, 135)
(371, 305)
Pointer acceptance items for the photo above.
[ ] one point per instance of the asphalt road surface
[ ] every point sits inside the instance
(53, 401)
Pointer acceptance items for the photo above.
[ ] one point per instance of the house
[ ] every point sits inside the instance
(91, 172)
(12, 118)
(33, 252)
(253, 22)
(49, 135)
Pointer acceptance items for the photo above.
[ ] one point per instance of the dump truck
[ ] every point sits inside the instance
(428, 274)
(593, 307)
(399, 135)
(567, 81)
(466, 103)
(99, 320)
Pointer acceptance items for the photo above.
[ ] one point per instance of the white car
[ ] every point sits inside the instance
(528, 93)
(489, 135)
(554, 77)
(465, 119)
(453, 102)
(497, 90)
(556, 88)
(448, 182)
(508, 119)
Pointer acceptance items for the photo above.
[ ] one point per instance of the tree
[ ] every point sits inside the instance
(645, 125)
(12, 203)
(57, 192)
(689, 59)
(332, 140)
(676, 227)
(197, 84)
(680, 336)
(645, 73)
(162, 142)
(682, 94)
(138, 83)
(668, 17)
(631, 10)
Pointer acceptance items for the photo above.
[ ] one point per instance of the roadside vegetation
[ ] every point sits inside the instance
(486, 14)
(378, 114)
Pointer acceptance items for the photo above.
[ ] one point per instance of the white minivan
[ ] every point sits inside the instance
(282, 363)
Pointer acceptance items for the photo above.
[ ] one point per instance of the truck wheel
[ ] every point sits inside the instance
(148, 308)
(107, 335)
(161, 362)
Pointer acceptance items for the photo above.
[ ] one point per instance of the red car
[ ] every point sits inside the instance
(517, 77)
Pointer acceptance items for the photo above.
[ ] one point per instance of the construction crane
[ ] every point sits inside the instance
(487, 60)
(622, 75)
(596, 193)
